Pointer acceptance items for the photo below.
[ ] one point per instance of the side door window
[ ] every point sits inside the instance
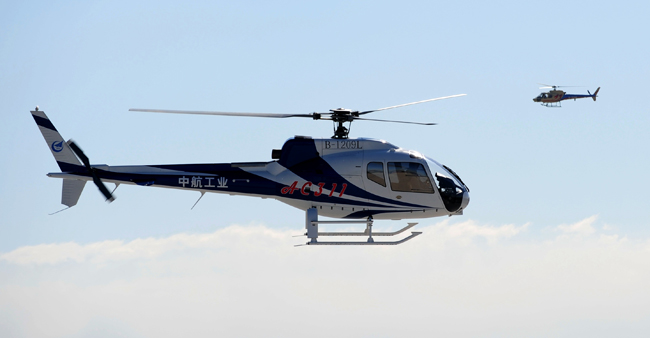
(409, 177)
(375, 173)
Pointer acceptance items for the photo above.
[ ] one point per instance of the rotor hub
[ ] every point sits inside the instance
(340, 116)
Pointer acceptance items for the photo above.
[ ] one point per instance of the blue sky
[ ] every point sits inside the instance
(577, 171)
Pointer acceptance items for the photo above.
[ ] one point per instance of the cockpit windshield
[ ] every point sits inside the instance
(450, 185)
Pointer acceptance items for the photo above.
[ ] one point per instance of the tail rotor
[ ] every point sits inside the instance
(595, 94)
(93, 172)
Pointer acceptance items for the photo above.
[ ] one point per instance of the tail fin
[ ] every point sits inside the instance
(71, 191)
(63, 155)
(595, 94)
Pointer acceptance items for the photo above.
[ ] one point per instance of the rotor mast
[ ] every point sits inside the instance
(339, 117)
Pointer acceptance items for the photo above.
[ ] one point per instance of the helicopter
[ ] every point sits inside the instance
(554, 97)
(355, 180)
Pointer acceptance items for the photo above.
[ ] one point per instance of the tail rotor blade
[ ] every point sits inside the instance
(102, 188)
(75, 148)
(93, 172)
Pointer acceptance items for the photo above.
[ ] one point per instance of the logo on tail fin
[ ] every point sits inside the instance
(57, 146)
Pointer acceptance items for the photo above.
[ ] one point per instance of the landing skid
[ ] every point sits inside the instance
(312, 222)
(553, 104)
(413, 234)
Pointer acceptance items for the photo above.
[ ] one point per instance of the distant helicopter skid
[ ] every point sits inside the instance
(554, 97)
(350, 179)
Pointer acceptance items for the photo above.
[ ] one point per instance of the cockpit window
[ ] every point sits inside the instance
(447, 185)
(451, 193)
(409, 177)
(376, 173)
(457, 177)
(450, 186)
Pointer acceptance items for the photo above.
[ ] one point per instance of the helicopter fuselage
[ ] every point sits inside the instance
(342, 178)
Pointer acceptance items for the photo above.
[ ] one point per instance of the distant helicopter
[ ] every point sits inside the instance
(554, 97)
(354, 179)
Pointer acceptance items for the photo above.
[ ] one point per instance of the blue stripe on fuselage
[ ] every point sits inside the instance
(238, 180)
(366, 213)
(71, 168)
(261, 186)
(256, 184)
(574, 96)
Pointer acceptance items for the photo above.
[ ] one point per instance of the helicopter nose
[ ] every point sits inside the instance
(465, 201)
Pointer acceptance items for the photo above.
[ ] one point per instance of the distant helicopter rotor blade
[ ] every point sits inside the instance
(551, 86)
(221, 113)
(407, 122)
(408, 104)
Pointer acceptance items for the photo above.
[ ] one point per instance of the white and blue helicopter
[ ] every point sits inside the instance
(356, 180)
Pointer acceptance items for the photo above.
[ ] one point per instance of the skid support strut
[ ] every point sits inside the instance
(311, 224)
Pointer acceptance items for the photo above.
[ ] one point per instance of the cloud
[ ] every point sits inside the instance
(583, 227)
(457, 279)
(466, 232)
(443, 233)
(146, 248)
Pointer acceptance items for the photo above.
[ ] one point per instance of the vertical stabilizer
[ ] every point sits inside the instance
(62, 153)
(595, 94)
(71, 191)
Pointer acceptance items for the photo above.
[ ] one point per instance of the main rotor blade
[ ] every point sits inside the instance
(220, 113)
(551, 86)
(420, 123)
(408, 104)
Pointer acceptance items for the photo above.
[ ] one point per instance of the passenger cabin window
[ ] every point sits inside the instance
(409, 177)
(376, 173)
